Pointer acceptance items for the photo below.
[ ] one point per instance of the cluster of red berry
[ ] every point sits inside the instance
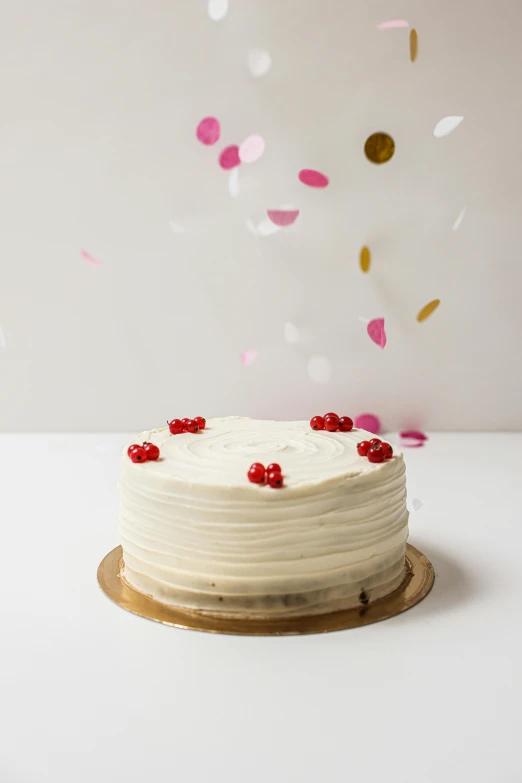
(177, 426)
(331, 422)
(147, 452)
(375, 449)
(272, 475)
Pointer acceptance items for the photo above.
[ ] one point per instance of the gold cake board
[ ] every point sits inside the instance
(418, 581)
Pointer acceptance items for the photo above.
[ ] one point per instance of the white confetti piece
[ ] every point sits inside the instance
(393, 24)
(364, 320)
(233, 183)
(252, 227)
(291, 333)
(416, 503)
(249, 356)
(259, 62)
(251, 148)
(2, 338)
(446, 125)
(266, 228)
(217, 9)
(177, 229)
(460, 218)
(319, 369)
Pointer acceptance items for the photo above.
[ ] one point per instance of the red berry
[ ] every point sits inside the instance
(138, 454)
(273, 468)
(192, 426)
(363, 448)
(388, 451)
(131, 447)
(176, 426)
(275, 479)
(376, 453)
(331, 422)
(185, 422)
(331, 414)
(373, 441)
(345, 424)
(151, 450)
(256, 473)
(317, 423)
(201, 422)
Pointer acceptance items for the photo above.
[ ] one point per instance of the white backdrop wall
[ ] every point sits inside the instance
(100, 102)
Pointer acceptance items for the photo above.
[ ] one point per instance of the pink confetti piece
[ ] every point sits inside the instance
(368, 422)
(249, 356)
(208, 130)
(229, 157)
(412, 439)
(87, 256)
(283, 217)
(312, 178)
(417, 434)
(251, 149)
(393, 24)
(376, 331)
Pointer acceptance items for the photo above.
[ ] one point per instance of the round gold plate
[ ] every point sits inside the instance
(417, 583)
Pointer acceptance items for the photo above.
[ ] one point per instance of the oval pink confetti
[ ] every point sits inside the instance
(393, 23)
(208, 130)
(312, 178)
(249, 356)
(251, 149)
(283, 217)
(87, 256)
(413, 434)
(229, 157)
(368, 422)
(376, 331)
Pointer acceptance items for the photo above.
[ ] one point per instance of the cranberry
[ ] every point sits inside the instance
(363, 448)
(192, 426)
(388, 451)
(138, 454)
(317, 423)
(176, 426)
(256, 473)
(131, 447)
(331, 422)
(376, 453)
(151, 450)
(275, 479)
(345, 424)
(201, 422)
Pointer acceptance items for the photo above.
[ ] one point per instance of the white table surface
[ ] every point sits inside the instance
(90, 693)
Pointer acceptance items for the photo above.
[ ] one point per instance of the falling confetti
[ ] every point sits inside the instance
(412, 439)
(363, 319)
(283, 217)
(368, 422)
(176, 228)
(376, 331)
(249, 356)
(319, 369)
(393, 23)
(87, 256)
(259, 62)
(229, 157)
(379, 147)
(365, 259)
(208, 130)
(446, 125)
(291, 333)
(2, 338)
(460, 218)
(313, 178)
(427, 310)
(251, 149)
(416, 503)
(266, 228)
(414, 45)
(251, 225)
(217, 9)
(233, 183)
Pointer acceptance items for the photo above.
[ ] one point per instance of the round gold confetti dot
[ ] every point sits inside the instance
(414, 45)
(379, 147)
(427, 310)
(365, 259)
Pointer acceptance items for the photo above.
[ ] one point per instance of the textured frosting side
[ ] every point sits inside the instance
(197, 534)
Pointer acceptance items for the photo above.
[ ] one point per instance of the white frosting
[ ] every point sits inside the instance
(196, 533)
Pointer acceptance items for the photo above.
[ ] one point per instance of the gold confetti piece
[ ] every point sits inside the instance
(414, 44)
(427, 310)
(365, 259)
(379, 147)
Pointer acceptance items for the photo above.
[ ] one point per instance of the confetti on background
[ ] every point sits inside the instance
(252, 227)
(266, 228)
(251, 149)
(319, 369)
(379, 147)
(229, 157)
(208, 130)
(460, 218)
(2, 338)
(414, 45)
(283, 217)
(365, 259)
(446, 125)
(427, 310)
(363, 319)
(313, 178)
(393, 23)
(416, 503)
(233, 183)
(87, 257)
(368, 422)
(291, 333)
(249, 356)
(412, 438)
(217, 9)
(259, 62)
(176, 227)
(376, 331)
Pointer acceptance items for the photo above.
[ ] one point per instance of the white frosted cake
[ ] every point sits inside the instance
(196, 533)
